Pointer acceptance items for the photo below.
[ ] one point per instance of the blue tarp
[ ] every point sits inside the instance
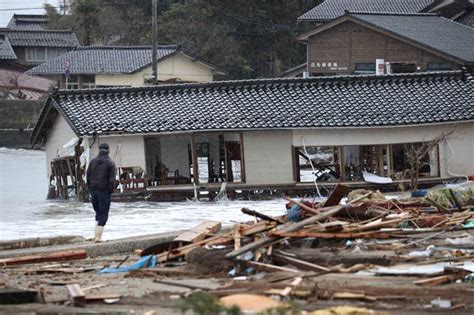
(146, 262)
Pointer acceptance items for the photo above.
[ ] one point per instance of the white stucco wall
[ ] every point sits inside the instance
(124, 150)
(59, 135)
(268, 157)
(178, 66)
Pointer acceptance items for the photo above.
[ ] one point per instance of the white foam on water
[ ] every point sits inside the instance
(24, 212)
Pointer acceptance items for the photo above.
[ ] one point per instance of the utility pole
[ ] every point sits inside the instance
(154, 35)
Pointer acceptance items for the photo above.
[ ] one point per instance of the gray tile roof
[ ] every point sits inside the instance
(467, 18)
(25, 38)
(30, 22)
(91, 60)
(6, 49)
(430, 30)
(340, 101)
(331, 9)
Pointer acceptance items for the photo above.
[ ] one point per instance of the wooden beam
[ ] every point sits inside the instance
(301, 264)
(76, 295)
(267, 267)
(337, 194)
(260, 215)
(59, 256)
(199, 232)
(293, 227)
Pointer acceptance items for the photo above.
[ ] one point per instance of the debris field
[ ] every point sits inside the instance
(357, 252)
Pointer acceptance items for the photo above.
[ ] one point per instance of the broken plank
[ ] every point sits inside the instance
(303, 234)
(199, 232)
(183, 250)
(260, 215)
(293, 227)
(303, 207)
(58, 256)
(267, 267)
(262, 226)
(301, 264)
(336, 195)
(76, 295)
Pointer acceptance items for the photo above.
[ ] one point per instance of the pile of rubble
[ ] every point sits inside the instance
(354, 248)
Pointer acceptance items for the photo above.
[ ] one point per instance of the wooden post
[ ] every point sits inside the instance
(195, 159)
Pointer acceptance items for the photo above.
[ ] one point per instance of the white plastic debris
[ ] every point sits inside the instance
(441, 303)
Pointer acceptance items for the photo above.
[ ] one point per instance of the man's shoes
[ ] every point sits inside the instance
(98, 234)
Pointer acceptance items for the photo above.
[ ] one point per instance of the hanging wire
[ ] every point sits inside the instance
(312, 166)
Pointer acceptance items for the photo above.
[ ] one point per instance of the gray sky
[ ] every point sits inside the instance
(8, 7)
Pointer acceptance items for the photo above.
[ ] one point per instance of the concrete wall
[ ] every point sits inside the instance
(178, 66)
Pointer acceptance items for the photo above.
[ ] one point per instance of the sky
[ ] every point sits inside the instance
(9, 7)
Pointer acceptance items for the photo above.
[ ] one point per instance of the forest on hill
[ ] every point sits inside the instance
(245, 38)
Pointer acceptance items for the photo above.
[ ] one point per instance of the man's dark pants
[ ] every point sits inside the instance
(101, 204)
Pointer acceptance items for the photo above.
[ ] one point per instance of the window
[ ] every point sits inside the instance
(217, 156)
(398, 67)
(365, 68)
(348, 163)
(36, 54)
(439, 66)
(400, 161)
(43, 53)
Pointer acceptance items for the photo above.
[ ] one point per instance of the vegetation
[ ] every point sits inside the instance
(245, 38)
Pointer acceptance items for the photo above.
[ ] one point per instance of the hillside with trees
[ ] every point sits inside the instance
(245, 38)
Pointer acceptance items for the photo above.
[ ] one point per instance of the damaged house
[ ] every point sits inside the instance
(273, 134)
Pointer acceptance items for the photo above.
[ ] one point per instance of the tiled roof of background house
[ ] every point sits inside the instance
(430, 30)
(467, 18)
(331, 9)
(30, 22)
(106, 59)
(6, 49)
(22, 38)
(340, 101)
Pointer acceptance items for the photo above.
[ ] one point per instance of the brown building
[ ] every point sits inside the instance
(351, 44)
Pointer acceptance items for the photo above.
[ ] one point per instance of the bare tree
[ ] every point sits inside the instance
(415, 152)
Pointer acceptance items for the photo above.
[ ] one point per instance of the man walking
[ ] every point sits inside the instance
(101, 184)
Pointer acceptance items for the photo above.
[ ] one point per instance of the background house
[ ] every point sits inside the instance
(108, 66)
(269, 133)
(329, 10)
(26, 43)
(351, 44)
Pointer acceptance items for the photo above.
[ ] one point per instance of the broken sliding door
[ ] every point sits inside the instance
(168, 160)
(319, 163)
(219, 157)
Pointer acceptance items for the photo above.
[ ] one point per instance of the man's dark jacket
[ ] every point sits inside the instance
(101, 174)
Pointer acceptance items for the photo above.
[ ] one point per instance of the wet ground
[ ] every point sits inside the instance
(25, 212)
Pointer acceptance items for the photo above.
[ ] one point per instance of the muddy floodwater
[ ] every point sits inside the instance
(25, 212)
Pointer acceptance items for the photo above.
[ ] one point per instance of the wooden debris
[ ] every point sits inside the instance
(336, 195)
(76, 295)
(183, 250)
(301, 264)
(293, 227)
(199, 232)
(261, 215)
(58, 256)
(267, 267)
